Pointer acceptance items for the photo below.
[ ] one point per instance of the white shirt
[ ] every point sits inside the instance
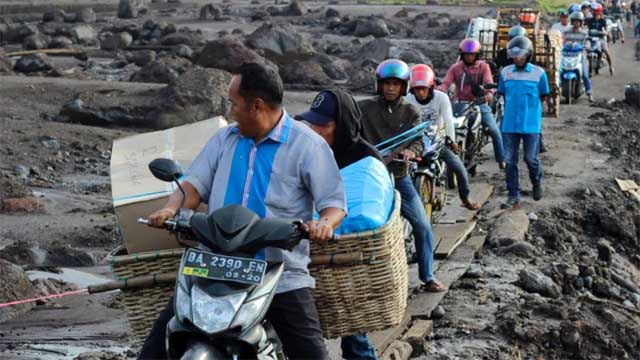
(561, 28)
(439, 106)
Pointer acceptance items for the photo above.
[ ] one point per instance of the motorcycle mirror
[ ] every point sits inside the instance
(438, 81)
(165, 169)
(490, 86)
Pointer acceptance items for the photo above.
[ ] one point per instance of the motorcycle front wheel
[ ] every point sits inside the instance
(425, 190)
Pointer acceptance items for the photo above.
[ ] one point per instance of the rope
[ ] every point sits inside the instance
(54, 296)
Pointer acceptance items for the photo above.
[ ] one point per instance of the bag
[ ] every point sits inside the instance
(369, 192)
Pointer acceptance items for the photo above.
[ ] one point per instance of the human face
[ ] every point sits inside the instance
(326, 131)
(421, 92)
(242, 111)
(469, 58)
(577, 24)
(564, 20)
(391, 89)
(520, 61)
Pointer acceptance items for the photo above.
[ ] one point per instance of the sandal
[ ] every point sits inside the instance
(470, 205)
(434, 286)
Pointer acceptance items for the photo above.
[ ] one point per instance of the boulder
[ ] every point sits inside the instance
(536, 282)
(331, 12)
(36, 42)
(227, 54)
(260, 15)
(279, 39)
(296, 8)
(33, 63)
(141, 57)
(197, 94)
(86, 15)
(377, 49)
(65, 255)
(183, 51)
(5, 64)
(129, 9)
(305, 72)
(162, 71)
(211, 11)
(410, 56)
(15, 285)
(116, 41)
(509, 228)
(375, 26)
(363, 79)
(84, 34)
(16, 33)
(60, 42)
(190, 39)
(53, 16)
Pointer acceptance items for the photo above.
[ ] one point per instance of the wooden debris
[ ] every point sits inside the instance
(629, 186)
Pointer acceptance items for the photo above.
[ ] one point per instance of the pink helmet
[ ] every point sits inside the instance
(470, 46)
(422, 75)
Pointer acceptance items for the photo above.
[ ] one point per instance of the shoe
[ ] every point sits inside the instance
(511, 204)
(502, 165)
(537, 192)
(611, 70)
(466, 203)
(590, 98)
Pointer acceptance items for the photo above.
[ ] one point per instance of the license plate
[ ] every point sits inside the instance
(221, 267)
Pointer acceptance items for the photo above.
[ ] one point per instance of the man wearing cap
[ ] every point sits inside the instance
(335, 115)
(563, 25)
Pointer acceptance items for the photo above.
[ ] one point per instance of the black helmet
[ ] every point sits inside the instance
(520, 46)
(517, 31)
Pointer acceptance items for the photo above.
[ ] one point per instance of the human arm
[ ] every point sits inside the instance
(416, 147)
(447, 116)
(169, 210)
(487, 78)
(322, 230)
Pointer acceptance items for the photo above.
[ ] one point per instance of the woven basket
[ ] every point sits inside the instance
(365, 297)
(350, 299)
(143, 306)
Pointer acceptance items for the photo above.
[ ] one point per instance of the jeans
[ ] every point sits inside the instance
(585, 76)
(293, 315)
(490, 123)
(413, 210)
(357, 347)
(454, 163)
(531, 144)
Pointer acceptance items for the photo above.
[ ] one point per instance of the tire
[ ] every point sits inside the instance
(409, 243)
(570, 92)
(425, 189)
(452, 182)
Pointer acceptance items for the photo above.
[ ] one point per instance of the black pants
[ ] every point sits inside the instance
(293, 315)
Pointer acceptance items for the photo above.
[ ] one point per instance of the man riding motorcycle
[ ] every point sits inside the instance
(276, 167)
(469, 74)
(563, 25)
(578, 34)
(384, 117)
(435, 106)
(599, 23)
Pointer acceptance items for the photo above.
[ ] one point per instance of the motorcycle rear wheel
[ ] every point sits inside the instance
(425, 190)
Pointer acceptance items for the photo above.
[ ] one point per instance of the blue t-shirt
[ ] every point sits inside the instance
(522, 90)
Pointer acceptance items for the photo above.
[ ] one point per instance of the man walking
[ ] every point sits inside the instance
(525, 88)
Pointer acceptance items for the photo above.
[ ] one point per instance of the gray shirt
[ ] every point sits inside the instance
(287, 174)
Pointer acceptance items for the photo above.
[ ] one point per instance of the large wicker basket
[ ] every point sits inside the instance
(363, 297)
(369, 296)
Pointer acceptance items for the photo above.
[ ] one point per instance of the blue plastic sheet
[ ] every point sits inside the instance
(369, 193)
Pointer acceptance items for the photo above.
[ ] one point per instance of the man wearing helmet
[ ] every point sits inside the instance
(525, 88)
(578, 34)
(563, 25)
(599, 23)
(468, 75)
(384, 117)
(435, 106)
(586, 9)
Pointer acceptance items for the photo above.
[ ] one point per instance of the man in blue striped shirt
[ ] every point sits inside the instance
(277, 167)
(525, 88)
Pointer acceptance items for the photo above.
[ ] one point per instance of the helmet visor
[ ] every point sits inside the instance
(392, 70)
(516, 51)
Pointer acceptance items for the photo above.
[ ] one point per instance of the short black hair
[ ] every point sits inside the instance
(260, 81)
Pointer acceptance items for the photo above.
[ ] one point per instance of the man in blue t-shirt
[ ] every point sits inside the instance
(525, 88)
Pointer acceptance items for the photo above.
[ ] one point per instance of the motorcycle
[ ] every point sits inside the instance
(614, 27)
(595, 51)
(471, 135)
(571, 71)
(222, 290)
(429, 172)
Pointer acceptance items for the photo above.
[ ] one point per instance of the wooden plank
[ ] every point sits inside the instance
(448, 237)
(451, 270)
(382, 339)
(626, 185)
(455, 213)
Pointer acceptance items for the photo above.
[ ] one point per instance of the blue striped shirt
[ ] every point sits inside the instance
(522, 90)
(286, 174)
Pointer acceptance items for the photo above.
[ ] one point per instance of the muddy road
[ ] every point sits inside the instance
(583, 235)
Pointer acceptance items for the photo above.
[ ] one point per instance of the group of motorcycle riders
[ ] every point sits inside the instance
(277, 165)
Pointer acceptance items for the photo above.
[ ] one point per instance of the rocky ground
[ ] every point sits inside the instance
(563, 286)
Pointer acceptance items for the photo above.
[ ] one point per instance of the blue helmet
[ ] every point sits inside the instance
(393, 69)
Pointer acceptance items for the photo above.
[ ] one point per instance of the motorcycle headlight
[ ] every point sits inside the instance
(214, 314)
(183, 304)
(249, 311)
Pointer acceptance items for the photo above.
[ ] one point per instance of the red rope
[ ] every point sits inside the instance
(54, 296)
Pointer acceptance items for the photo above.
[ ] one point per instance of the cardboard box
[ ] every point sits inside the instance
(136, 193)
